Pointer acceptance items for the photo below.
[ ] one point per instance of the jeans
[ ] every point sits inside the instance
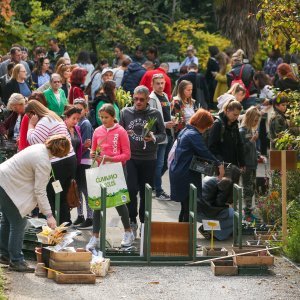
(139, 172)
(169, 147)
(82, 187)
(159, 167)
(12, 229)
(123, 213)
(249, 180)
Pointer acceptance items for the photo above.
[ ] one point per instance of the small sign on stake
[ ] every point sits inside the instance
(211, 225)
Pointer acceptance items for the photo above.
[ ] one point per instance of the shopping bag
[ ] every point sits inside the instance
(111, 176)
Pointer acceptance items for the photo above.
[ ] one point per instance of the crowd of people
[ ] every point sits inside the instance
(230, 115)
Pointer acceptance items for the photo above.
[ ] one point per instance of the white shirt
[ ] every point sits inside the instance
(25, 176)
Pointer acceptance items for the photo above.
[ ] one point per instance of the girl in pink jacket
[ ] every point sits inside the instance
(110, 144)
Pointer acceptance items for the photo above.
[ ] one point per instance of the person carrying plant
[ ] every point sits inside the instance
(249, 136)
(146, 130)
(278, 122)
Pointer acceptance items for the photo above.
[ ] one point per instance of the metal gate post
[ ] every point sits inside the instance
(238, 215)
(193, 222)
(103, 219)
(147, 224)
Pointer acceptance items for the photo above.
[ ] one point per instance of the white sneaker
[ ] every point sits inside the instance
(133, 227)
(128, 239)
(92, 244)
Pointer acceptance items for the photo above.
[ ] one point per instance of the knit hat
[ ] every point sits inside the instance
(238, 56)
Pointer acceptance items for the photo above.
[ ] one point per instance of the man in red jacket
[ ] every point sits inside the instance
(163, 69)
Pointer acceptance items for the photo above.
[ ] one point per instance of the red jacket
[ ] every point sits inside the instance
(23, 143)
(74, 93)
(147, 80)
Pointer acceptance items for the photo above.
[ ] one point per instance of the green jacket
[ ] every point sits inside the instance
(52, 102)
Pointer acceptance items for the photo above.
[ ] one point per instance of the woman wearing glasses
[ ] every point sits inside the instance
(41, 73)
(17, 83)
(55, 96)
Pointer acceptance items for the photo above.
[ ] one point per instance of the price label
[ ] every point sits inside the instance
(57, 186)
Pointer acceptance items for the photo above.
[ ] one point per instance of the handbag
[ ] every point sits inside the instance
(112, 177)
(73, 199)
(203, 166)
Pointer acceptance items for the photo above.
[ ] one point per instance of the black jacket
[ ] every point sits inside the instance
(287, 84)
(226, 143)
(213, 199)
(11, 87)
(132, 77)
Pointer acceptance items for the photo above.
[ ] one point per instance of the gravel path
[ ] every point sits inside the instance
(165, 283)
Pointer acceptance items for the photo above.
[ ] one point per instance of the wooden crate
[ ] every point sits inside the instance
(69, 265)
(75, 277)
(81, 256)
(224, 267)
(214, 252)
(263, 258)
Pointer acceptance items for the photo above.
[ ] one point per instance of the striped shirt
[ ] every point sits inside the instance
(45, 128)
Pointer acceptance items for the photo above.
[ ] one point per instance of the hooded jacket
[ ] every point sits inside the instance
(134, 121)
(113, 142)
(229, 147)
(132, 77)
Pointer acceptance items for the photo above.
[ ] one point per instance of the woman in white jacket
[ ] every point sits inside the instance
(24, 179)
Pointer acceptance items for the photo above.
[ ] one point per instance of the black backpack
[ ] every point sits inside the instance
(206, 134)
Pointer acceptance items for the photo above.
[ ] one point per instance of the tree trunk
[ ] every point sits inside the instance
(237, 21)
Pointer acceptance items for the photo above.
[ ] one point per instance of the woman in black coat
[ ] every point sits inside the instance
(17, 84)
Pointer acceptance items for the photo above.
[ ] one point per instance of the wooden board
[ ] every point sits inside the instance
(76, 277)
(69, 265)
(275, 160)
(62, 256)
(224, 268)
(263, 258)
(170, 238)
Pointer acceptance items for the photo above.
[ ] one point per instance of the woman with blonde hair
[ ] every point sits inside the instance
(249, 136)
(236, 92)
(65, 73)
(24, 179)
(183, 106)
(220, 76)
(17, 83)
(43, 124)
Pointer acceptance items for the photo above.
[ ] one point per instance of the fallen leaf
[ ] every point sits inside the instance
(153, 282)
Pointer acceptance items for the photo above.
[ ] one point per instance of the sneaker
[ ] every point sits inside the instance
(133, 227)
(4, 260)
(20, 267)
(128, 239)
(92, 244)
(205, 233)
(86, 224)
(163, 196)
(79, 220)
